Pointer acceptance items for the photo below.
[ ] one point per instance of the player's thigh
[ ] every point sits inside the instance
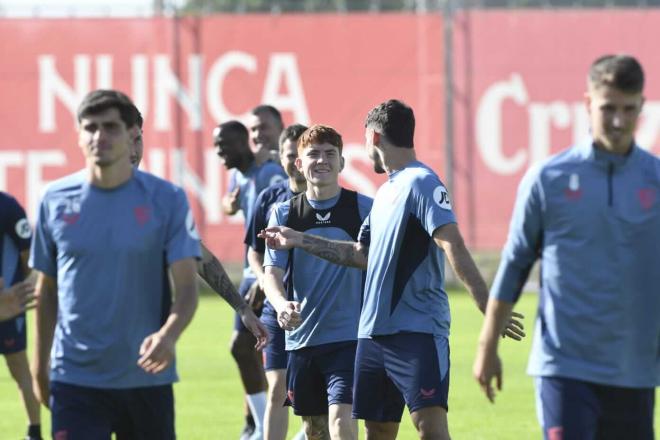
(337, 363)
(626, 413)
(274, 354)
(80, 413)
(13, 335)
(431, 422)
(418, 364)
(150, 413)
(375, 397)
(306, 387)
(567, 408)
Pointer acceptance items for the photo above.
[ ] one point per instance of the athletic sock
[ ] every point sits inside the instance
(34, 432)
(257, 404)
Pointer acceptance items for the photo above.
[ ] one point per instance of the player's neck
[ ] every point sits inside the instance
(397, 158)
(110, 176)
(296, 186)
(322, 192)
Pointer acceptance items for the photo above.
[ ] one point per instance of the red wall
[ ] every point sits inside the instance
(519, 82)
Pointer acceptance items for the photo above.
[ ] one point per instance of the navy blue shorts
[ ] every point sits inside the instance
(82, 413)
(274, 354)
(401, 369)
(243, 288)
(13, 335)
(320, 376)
(573, 409)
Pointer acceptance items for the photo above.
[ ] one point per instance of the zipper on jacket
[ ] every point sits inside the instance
(610, 194)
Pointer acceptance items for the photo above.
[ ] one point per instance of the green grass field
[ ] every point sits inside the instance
(209, 397)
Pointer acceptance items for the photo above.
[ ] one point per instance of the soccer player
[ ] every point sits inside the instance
(403, 352)
(250, 176)
(592, 215)
(209, 267)
(274, 354)
(15, 234)
(107, 324)
(320, 305)
(265, 125)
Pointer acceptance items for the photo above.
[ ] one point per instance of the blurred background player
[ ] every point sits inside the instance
(107, 322)
(274, 354)
(403, 352)
(16, 299)
(15, 235)
(592, 215)
(265, 125)
(249, 178)
(320, 305)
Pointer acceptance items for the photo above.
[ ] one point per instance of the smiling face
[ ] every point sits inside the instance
(320, 164)
(230, 147)
(265, 131)
(104, 138)
(613, 115)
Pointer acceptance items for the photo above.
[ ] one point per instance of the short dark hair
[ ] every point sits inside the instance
(320, 134)
(235, 127)
(140, 119)
(265, 108)
(292, 133)
(100, 100)
(622, 72)
(395, 120)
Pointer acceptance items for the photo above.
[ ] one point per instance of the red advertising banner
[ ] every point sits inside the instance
(520, 77)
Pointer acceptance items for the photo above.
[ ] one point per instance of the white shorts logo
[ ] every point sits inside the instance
(190, 226)
(441, 197)
(23, 229)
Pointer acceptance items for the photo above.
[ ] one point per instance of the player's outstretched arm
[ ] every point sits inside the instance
(211, 271)
(16, 299)
(157, 349)
(45, 321)
(288, 312)
(487, 364)
(448, 237)
(345, 253)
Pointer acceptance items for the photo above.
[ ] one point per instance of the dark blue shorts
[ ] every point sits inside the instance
(573, 409)
(274, 354)
(320, 376)
(82, 413)
(404, 368)
(13, 334)
(243, 288)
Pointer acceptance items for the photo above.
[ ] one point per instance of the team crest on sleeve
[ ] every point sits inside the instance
(23, 229)
(441, 197)
(190, 226)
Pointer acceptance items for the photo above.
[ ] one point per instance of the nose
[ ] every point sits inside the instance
(617, 120)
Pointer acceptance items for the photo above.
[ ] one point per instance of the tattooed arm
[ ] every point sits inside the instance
(211, 271)
(345, 253)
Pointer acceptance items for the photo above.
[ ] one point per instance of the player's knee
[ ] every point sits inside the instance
(316, 427)
(242, 347)
(428, 430)
(380, 431)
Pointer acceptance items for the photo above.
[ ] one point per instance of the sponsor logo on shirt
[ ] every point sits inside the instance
(190, 226)
(441, 197)
(646, 198)
(322, 219)
(22, 229)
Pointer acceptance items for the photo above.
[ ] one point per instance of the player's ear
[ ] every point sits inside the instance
(298, 163)
(375, 139)
(341, 163)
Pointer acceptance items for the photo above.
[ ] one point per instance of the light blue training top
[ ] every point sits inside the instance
(109, 251)
(330, 295)
(593, 219)
(404, 289)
